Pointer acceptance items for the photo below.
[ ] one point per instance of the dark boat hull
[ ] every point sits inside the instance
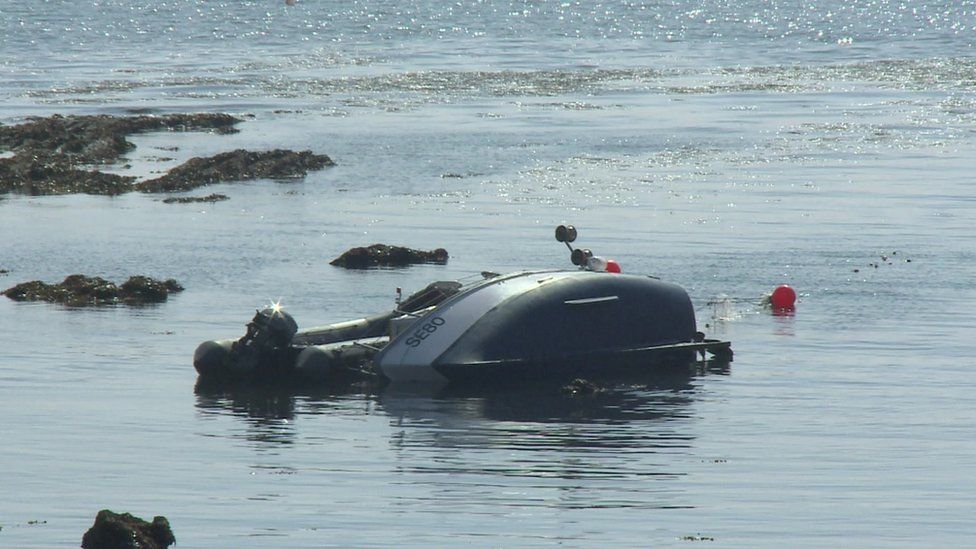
(591, 365)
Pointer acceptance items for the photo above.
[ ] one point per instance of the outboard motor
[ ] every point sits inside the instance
(263, 351)
(268, 335)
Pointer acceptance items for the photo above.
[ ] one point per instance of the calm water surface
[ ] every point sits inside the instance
(727, 147)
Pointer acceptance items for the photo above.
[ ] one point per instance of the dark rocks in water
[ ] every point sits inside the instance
(80, 290)
(238, 165)
(124, 531)
(382, 255)
(50, 155)
(191, 199)
(74, 289)
(100, 138)
(142, 289)
(28, 174)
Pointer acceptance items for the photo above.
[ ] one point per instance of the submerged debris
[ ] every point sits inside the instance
(124, 531)
(238, 165)
(383, 255)
(191, 199)
(699, 537)
(55, 155)
(80, 290)
(580, 387)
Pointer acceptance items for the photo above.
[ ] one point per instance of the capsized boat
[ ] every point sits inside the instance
(525, 325)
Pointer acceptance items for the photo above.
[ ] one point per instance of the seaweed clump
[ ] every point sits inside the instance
(192, 199)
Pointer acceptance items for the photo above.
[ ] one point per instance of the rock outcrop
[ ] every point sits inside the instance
(124, 531)
(102, 138)
(79, 290)
(383, 255)
(238, 165)
(59, 155)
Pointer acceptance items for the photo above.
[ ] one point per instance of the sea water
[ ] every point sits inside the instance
(725, 146)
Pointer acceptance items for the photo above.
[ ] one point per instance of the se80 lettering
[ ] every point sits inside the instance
(424, 331)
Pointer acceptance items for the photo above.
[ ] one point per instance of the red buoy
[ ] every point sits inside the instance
(783, 297)
(613, 266)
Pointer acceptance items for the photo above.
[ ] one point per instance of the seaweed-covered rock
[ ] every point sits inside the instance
(51, 154)
(80, 290)
(383, 255)
(124, 531)
(142, 289)
(100, 138)
(75, 289)
(54, 155)
(238, 165)
(34, 175)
